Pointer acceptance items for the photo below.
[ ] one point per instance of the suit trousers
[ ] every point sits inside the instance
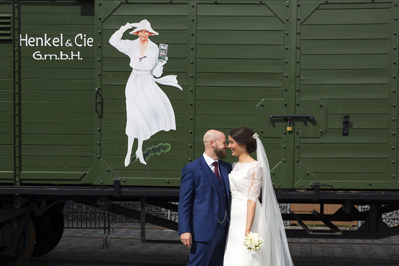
(209, 253)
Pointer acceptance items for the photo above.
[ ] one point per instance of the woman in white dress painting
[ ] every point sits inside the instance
(247, 179)
(148, 109)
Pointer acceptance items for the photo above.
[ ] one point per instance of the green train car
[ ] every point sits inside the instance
(317, 79)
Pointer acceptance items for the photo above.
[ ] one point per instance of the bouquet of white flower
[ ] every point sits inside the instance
(253, 242)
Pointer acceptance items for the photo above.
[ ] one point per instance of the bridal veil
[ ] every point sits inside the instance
(276, 248)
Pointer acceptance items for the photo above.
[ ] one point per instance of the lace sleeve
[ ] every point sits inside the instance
(256, 182)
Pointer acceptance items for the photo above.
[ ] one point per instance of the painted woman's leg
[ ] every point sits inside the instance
(139, 152)
(129, 150)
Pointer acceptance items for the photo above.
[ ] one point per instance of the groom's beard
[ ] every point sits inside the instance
(221, 153)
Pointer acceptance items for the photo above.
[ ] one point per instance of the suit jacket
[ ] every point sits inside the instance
(199, 198)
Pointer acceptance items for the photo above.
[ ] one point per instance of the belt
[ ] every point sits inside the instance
(142, 72)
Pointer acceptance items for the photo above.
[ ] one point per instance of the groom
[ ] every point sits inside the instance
(204, 203)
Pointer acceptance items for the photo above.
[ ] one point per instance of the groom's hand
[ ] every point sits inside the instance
(186, 239)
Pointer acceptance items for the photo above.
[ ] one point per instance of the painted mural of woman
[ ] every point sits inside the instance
(148, 108)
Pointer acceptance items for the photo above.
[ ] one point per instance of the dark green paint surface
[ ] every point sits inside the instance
(238, 63)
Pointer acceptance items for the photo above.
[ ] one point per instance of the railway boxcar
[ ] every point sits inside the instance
(317, 79)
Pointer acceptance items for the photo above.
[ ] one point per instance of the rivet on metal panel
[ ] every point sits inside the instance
(297, 104)
(192, 19)
(191, 76)
(98, 156)
(298, 4)
(191, 132)
(99, 46)
(285, 89)
(261, 131)
(287, 5)
(393, 118)
(393, 91)
(273, 173)
(393, 105)
(395, 33)
(393, 176)
(99, 32)
(298, 32)
(192, 5)
(192, 62)
(394, 76)
(123, 180)
(285, 104)
(99, 59)
(297, 160)
(98, 129)
(190, 145)
(298, 47)
(286, 33)
(192, 33)
(297, 61)
(108, 170)
(393, 148)
(394, 47)
(285, 75)
(101, 181)
(284, 147)
(189, 159)
(99, 17)
(286, 48)
(297, 146)
(191, 103)
(307, 173)
(99, 3)
(286, 61)
(396, 4)
(297, 132)
(299, 19)
(167, 181)
(369, 183)
(297, 76)
(297, 89)
(321, 105)
(98, 143)
(284, 160)
(393, 133)
(395, 18)
(262, 105)
(287, 19)
(192, 47)
(191, 118)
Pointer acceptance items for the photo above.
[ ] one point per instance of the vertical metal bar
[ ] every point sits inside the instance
(191, 104)
(17, 93)
(142, 219)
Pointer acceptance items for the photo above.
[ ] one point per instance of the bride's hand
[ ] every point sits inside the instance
(247, 232)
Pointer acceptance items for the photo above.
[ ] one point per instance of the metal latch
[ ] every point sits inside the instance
(292, 118)
(345, 125)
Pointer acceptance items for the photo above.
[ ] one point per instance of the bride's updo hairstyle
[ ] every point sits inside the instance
(243, 136)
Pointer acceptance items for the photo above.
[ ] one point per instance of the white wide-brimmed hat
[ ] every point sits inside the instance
(143, 25)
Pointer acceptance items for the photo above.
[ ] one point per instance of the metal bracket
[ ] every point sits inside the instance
(316, 187)
(345, 125)
(98, 100)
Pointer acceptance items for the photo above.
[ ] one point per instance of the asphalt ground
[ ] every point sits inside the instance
(85, 247)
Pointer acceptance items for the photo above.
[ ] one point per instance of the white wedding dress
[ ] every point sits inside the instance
(247, 182)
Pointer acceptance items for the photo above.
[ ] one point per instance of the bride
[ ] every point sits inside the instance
(247, 213)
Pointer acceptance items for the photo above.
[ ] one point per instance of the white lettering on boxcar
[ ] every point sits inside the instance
(79, 40)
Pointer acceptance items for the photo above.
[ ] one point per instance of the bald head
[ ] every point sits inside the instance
(215, 144)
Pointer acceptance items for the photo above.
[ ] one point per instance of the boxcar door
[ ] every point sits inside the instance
(346, 76)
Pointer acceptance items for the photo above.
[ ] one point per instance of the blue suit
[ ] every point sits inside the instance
(204, 210)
